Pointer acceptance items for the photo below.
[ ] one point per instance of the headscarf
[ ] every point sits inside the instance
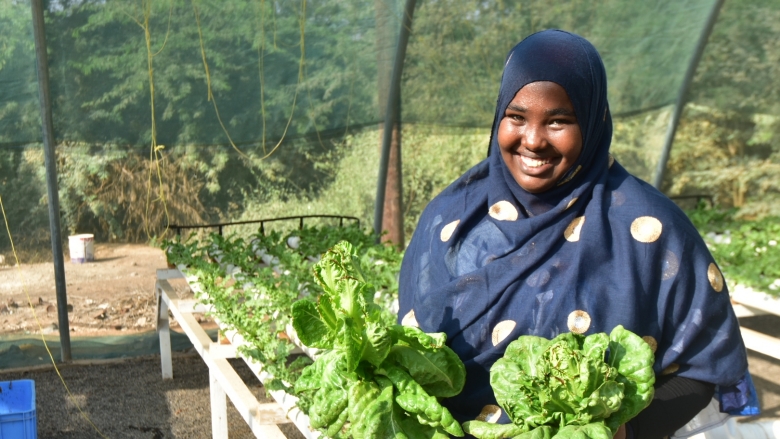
(490, 262)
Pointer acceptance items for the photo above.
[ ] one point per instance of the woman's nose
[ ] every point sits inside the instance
(533, 137)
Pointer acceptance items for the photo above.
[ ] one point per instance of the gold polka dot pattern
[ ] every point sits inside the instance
(578, 322)
(502, 331)
(618, 198)
(650, 340)
(611, 160)
(503, 211)
(572, 232)
(715, 277)
(671, 265)
(646, 229)
(448, 230)
(538, 278)
(410, 320)
(490, 413)
(571, 203)
(571, 176)
(670, 369)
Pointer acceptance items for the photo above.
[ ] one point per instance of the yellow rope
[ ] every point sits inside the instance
(261, 60)
(155, 156)
(302, 24)
(208, 80)
(301, 63)
(167, 32)
(38, 322)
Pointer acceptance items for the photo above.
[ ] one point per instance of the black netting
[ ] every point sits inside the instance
(196, 111)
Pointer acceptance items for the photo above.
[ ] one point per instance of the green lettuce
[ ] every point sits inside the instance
(373, 380)
(570, 387)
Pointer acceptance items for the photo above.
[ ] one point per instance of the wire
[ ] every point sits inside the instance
(302, 24)
(38, 322)
(155, 156)
(261, 61)
(301, 64)
(210, 95)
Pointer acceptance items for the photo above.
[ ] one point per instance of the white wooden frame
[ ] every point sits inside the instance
(224, 381)
(746, 303)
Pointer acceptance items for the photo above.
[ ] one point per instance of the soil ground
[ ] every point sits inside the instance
(128, 399)
(113, 295)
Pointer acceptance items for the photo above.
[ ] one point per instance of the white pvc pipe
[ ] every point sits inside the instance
(769, 429)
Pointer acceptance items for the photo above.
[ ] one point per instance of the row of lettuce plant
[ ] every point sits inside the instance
(251, 283)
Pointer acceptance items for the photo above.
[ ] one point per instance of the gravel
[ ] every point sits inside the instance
(129, 399)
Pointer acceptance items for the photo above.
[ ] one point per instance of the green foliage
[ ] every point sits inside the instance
(19, 111)
(269, 63)
(458, 48)
(370, 356)
(726, 145)
(253, 282)
(272, 70)
(23, 191)
(739, 67)
(729, 155)
(315, 73)
(434, 158)
(636, 141)
(747, 251)
(571, 386)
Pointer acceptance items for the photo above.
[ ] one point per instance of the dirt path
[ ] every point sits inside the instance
(112, 295)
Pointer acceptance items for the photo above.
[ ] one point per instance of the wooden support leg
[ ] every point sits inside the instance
(164, 332)
(219, 424)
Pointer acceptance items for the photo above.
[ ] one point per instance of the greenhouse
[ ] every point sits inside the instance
(280, 218)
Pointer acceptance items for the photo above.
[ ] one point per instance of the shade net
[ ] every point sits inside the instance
(191, 112)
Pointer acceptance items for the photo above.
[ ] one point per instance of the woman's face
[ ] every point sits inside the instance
(539, 136)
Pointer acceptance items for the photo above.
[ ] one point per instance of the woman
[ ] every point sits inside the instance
(549, 234)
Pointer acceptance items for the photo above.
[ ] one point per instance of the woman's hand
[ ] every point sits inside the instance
(621, 432)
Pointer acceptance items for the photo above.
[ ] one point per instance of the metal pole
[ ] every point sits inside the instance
(391, 115)
(51, 176)
(679, 105)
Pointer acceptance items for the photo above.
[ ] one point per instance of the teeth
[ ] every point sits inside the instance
(534, 163)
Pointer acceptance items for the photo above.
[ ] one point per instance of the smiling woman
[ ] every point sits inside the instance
(550, 235)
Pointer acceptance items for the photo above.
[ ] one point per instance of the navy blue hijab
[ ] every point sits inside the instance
(490, 262)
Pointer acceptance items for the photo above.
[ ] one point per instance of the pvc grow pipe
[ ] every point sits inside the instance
(768, 429)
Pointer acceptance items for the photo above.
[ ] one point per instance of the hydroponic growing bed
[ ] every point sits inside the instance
(252, 286)
(224, 381)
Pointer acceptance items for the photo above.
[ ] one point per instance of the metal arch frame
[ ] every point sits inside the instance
(42, 67)
(392, 115)
(679, 105)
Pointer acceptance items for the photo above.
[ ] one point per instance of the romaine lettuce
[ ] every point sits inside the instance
(572, 386)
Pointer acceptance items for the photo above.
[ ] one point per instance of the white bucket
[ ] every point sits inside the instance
(82, 248)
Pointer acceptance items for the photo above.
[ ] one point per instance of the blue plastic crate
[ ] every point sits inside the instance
(17, 410)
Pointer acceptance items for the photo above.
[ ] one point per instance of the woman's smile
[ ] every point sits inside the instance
(532, 165)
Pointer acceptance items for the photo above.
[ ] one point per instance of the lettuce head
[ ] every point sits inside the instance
(572, 386)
